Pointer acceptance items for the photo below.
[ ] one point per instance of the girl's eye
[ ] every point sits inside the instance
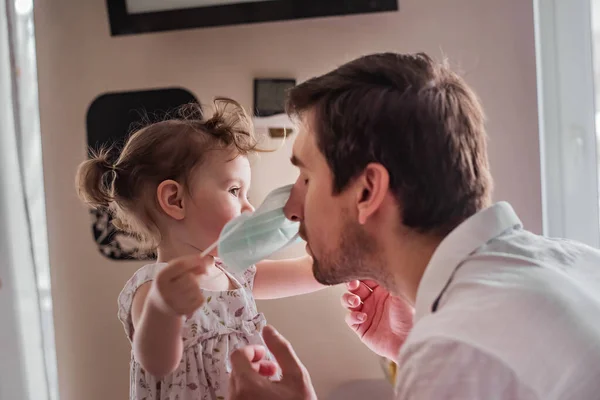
(235, 191)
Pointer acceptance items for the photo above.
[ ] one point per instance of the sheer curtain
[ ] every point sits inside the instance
(27, 361)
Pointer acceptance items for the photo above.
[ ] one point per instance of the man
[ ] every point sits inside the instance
(395, 187)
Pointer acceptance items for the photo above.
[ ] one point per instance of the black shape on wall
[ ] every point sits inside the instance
(122, 22)
(110, 119)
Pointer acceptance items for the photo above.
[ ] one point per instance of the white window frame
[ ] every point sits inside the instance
(567, 119)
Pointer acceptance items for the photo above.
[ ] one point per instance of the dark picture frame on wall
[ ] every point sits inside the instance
(269, 95)
(124, 22)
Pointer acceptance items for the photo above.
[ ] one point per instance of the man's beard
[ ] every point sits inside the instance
(354, 258)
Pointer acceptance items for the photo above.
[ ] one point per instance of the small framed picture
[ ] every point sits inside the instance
(269, 96)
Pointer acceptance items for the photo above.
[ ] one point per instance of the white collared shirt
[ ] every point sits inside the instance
(502, 313)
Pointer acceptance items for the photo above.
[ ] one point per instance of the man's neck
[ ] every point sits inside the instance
(406, 258)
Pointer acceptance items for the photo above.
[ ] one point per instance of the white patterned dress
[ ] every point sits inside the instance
(228, 320)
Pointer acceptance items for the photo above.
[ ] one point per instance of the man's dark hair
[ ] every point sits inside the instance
(414, 116)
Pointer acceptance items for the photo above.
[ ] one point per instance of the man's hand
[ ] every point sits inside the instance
(250, 372)
(382, 321)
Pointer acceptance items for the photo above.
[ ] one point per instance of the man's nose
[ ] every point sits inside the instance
(293, 207)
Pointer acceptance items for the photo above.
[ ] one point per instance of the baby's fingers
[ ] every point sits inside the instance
(361, 288)
(355, 318)
(351, 301)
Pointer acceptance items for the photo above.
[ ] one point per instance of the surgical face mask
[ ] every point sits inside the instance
(252, 237)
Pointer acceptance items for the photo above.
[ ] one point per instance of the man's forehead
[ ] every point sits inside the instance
(299, 144)
(304, 143)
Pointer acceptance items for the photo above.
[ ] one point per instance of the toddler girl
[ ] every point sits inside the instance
(175, 185)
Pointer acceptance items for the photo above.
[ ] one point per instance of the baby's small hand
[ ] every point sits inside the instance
(175, 290)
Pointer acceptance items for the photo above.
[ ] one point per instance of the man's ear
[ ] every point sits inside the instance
(170, 198)
(373, 186)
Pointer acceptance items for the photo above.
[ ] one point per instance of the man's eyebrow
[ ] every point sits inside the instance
(296, 161)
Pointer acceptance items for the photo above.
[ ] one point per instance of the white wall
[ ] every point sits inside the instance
(492, 41)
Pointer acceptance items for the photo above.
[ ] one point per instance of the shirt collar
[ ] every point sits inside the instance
(460, 243)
